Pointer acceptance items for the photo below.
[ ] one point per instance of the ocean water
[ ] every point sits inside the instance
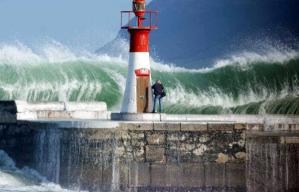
(13, 179)
(242, 83)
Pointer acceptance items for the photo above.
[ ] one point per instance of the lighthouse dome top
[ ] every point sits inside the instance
(139, 7)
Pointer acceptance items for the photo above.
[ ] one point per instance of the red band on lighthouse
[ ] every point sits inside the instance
(139, 40)
(143, 72)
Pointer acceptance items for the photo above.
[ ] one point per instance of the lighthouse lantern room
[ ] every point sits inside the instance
(138, 93)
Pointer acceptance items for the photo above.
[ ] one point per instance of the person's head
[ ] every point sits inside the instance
(158, 81)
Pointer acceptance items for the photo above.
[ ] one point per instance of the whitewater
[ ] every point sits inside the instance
(13, 179)
(242, 83)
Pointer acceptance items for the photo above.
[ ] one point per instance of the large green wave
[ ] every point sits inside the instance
(258, 87)
(249, 85)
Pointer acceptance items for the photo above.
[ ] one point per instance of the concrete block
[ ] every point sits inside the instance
(60, 110)
(27, 116)
(215, 175)
(177, 175)
(169, 117)
(52, 115)
(145, 126)
(158, 175)
(135, 116)
(194, 126)
(174, 175)
(289, 140)
(167, 126)
(86, 106)
(24, 106)
(88, 115)
(155, 154)
(235, 175)
(193, 175)
(156, 139)
(107, 173)
(139, 174)
(220, 126)
(123, 175)
(240, 126)
(293, 127)
(255, 127)
(137, 126)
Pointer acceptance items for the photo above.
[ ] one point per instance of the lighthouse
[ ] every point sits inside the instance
(138, 94)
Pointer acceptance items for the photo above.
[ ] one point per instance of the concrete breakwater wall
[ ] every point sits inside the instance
(159, 156)
(132, 156)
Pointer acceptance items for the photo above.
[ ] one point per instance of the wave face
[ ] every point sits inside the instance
(245, 83)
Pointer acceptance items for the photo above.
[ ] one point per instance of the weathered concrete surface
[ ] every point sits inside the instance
(272, 161)
(130, 156)
(252, 122)
(155, 155)
(61, 110)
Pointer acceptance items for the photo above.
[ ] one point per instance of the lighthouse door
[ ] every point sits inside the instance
(142, 94)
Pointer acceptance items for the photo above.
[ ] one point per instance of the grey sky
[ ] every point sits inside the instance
(85, 24)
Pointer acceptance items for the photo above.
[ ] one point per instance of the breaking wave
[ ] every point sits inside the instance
(13, 179)
(247, 82)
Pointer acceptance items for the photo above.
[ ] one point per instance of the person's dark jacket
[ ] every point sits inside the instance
(158, 89)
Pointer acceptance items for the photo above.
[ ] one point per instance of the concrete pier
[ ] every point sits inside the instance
(159, 152)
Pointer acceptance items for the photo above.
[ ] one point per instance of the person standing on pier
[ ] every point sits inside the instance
(159, 93)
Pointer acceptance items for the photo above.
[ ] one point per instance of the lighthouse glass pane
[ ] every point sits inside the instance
(138, 6)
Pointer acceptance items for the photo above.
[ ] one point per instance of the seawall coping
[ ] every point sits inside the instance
(221, 126)
(167, 126)
(186, 126)
(136, 126)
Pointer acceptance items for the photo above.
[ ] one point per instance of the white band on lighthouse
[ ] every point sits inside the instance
(137, 60)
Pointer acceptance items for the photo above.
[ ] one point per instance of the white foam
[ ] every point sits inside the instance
(13, 179)
(215, 97)
(55, 52)
(51, 52)
(272, 55)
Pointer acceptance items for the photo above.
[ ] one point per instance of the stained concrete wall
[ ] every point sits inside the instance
(272, 161)
(175, 156)
(132, 156)
(159, 156)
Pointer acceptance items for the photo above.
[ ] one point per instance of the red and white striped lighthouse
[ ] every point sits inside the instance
(138, 93)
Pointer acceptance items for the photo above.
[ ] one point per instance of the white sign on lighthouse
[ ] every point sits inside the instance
(138, 93)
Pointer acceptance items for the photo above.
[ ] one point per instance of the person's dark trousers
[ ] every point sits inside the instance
(156, 99)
